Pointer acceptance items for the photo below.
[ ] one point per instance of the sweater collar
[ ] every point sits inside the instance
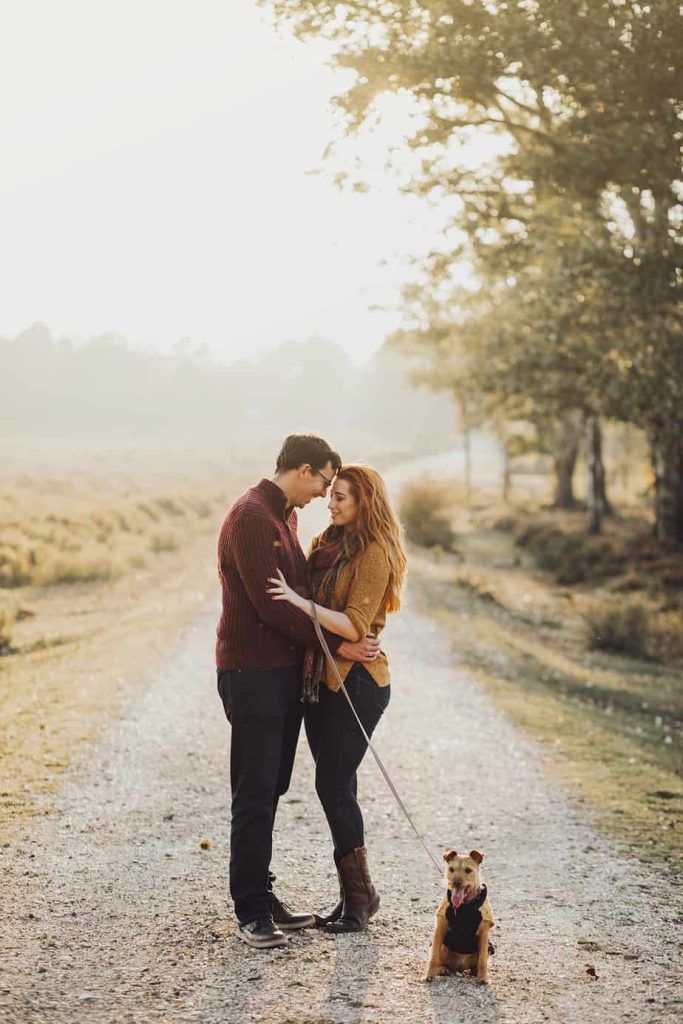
(274, 497)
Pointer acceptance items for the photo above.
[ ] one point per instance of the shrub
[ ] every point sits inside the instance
(152, 513)
(171, 506)
(105, 526)
(16, 567)
(201, 507)
(160, 542)
(7, 620)
(629, 582)
(571, 557)
(425, 509)
(506, 524)
(622, 628)
(79, 568)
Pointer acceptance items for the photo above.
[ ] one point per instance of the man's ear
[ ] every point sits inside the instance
(476, 856)
(449, 855)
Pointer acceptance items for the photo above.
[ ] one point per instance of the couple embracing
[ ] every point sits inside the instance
(272, 672)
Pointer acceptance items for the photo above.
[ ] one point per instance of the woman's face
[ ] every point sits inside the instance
(342, 504)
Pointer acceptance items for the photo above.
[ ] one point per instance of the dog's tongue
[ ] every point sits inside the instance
(457, 897)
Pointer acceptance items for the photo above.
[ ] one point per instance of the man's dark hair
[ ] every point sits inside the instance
(298, 449)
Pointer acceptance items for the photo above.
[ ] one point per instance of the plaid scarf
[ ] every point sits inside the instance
(324, 566)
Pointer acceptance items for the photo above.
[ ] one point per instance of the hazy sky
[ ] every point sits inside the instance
(153, 182)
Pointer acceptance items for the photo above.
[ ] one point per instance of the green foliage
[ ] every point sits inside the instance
(621, 628)
(426, 510)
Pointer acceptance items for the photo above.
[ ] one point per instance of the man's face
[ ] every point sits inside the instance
(313, 483)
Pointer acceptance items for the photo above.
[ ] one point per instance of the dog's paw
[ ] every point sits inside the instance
(436, 972)
(482, 979)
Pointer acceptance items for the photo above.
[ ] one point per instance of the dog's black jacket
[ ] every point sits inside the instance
(463, 923)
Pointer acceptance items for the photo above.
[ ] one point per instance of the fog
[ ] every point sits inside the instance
(86, 405)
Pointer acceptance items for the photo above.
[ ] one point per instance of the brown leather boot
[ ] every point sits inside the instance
(361, 899)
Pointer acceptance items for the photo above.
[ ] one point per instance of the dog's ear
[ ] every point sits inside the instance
(476, 856)
(449, 855)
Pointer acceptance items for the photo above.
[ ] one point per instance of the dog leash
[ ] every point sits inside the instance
(385, 773)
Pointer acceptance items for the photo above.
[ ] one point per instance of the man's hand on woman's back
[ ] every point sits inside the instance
(365, 650)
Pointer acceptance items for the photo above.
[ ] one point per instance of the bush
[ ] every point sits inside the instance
(201, 507)
(506, 524)
(16, 567)
(425, 509)
(160, 542)
(571, 557)
(7, 620)
(80, 568)
(152, 513)
(623, 628)
(170, 506)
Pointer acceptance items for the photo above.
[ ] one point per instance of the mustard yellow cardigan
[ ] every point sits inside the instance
(362, 592)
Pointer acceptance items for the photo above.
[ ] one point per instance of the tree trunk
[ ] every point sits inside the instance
(564, 461)
(596, 474)
(468, 464)
(507, 473)
(667, 462)
(607, 506)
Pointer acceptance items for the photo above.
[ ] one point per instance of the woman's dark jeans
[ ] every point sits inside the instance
(338, 747)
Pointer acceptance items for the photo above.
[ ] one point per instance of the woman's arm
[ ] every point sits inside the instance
(335, 622)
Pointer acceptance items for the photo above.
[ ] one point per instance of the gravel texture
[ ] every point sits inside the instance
(114, 911)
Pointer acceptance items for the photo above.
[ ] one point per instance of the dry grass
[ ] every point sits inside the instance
(98, 583)
(610, 723)
(55, 532)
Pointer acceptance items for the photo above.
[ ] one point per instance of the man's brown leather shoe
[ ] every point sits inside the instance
(285, 918)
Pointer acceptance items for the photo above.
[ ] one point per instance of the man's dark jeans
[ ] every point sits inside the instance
(264, 710)
(338, 747)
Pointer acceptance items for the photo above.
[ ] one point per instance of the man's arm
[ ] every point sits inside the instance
(256, 558)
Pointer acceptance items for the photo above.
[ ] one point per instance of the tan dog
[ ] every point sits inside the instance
(463, 921)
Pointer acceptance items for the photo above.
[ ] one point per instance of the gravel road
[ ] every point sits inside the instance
(114, 911)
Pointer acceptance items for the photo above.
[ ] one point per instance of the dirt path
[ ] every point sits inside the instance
(113, 912)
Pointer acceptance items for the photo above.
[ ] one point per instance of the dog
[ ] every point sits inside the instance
(463, 921)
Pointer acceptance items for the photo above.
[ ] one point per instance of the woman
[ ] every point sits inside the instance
(356, 569)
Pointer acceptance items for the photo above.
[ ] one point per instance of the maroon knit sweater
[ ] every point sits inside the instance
(255, 632)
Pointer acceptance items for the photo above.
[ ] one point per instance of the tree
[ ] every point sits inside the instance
(583, 101)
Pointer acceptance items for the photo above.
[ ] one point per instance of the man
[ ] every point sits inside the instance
(259, 650)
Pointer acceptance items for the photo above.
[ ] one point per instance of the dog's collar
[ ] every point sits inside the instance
(476, 900)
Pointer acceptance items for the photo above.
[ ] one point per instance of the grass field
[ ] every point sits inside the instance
(609, 723)
(95, 579)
